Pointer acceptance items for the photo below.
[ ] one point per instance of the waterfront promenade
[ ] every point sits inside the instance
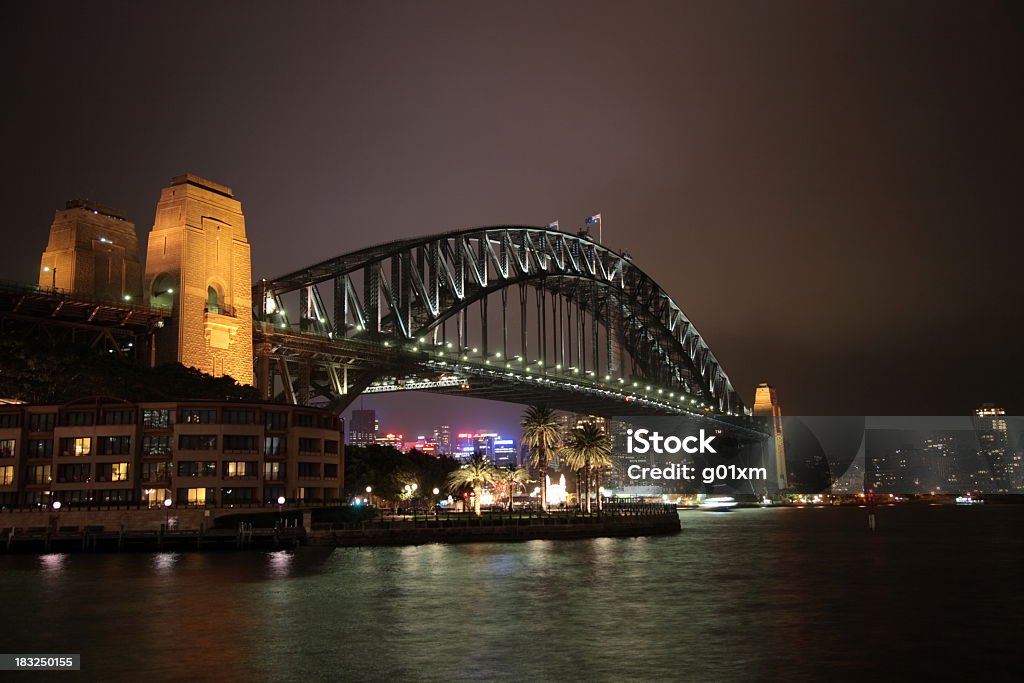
(152, 530)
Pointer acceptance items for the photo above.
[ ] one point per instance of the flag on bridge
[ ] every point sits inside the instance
(553, 226)
(594, 220)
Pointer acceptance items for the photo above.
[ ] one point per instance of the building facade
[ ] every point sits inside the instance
(98, 453)
(363, 428)
(93, 251)
(198, 264)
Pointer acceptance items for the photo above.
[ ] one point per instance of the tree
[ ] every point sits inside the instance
(540, 434)
(589, 450)
(476, 474)
(512, 478)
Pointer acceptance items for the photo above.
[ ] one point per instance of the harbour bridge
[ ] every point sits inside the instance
(512, 313)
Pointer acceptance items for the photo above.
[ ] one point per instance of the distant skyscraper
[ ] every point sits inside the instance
(362, 427)
(1004, 465)
(766, 404)
(443, 438)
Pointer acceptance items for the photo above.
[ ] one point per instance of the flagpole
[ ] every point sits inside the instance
(600, 231)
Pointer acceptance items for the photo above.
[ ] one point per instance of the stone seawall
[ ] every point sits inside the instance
(112, 520)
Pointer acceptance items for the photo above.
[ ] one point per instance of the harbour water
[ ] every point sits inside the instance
(760, 594)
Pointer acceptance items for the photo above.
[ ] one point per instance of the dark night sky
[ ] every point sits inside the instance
(831, 191)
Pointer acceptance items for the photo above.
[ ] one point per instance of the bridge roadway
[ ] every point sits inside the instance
(353, 366)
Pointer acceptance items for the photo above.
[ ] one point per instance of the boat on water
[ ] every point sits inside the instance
(968, 500)
(718, 504)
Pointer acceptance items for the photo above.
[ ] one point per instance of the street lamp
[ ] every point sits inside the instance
(280, 513)
(167, 513)
(53, 275)
(56, 517)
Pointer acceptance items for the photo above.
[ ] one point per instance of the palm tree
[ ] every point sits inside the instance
(513, 477)
(475, 474)
(589, 450)
(540, 434)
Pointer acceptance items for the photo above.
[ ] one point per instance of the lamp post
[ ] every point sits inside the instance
(167, 514)
(437, 503)
(280, 513)
(53, 275)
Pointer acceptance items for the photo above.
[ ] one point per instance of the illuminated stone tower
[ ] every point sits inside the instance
(198, 262)
(93, 251)
(766, 404)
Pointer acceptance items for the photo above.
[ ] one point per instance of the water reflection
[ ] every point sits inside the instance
(752, 593)
(279, 564)
(165, 562)
(53, 563)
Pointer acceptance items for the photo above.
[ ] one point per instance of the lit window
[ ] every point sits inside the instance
(119, 471)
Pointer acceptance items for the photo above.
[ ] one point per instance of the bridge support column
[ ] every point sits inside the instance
(264, 379)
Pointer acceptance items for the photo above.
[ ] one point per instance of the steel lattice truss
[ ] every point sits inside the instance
(585, 322)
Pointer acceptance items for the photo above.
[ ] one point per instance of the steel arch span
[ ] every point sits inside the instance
(516, 313)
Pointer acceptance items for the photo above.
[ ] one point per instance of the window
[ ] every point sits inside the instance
(156, 471)
(197, 469)
(114, 496)
(272, 493)
(239, 443)
(197, 442)
(156, 419)
(8, 448)
(309, 445)
(196, 497)
(74, 473)
(156, 445)
(79, 418)
(8, 420)
(74, 497)
(274, 471)
(6, 475)
(112, 471)
(274, 445)
(119, 417)
(37, 474)
(330, 446)
(304, 419)
(115, 445)
(330, 471)
(41, 422)
(154, 498)
(76, 446)
(275, 421)
(238, 496)
(309, 470)
(238, 416)
(212, 300)
(198, 415)
(240, 468)
(40, 448)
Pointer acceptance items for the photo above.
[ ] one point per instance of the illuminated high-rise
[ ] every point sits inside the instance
(363, 427)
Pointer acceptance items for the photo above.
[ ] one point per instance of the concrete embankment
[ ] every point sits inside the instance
(195, 530)
(408, 533)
